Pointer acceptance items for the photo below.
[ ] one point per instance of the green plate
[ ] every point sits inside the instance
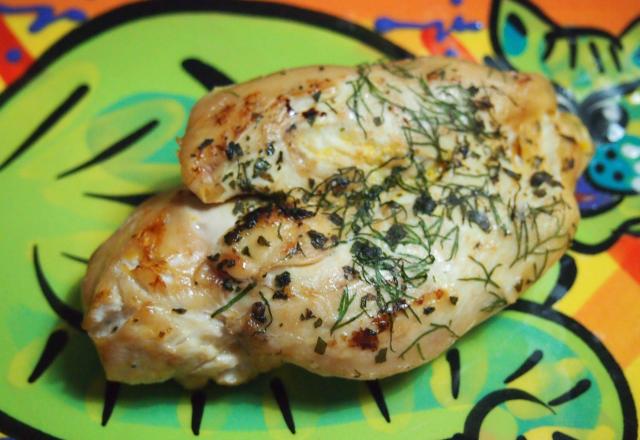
(89, 132)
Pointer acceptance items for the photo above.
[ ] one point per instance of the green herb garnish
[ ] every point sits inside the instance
(234, 300)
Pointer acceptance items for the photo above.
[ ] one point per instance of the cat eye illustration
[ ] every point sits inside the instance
(606, 112)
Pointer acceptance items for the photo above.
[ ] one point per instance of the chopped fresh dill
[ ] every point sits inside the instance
(433, 327)
(234, 300)
(398, 216)
(343, 308)
(486, 279)
(498, 303)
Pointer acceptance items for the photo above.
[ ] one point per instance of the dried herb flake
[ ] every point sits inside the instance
(233, 150)
(205, 143)
(318, 239)
(321, 346)
(381, 356)
(283, 280)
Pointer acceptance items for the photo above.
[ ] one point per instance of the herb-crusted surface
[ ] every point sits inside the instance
(385, 210)
(278, 132)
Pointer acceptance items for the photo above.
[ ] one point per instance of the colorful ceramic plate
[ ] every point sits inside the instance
(89, 130)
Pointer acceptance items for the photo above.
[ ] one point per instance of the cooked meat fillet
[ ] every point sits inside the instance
(277, 132)
(379, 213)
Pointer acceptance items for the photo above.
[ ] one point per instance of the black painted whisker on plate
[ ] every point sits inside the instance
(576, 391)
(75, 258)
(558, 435)
(205, 73)
(282, 399)
(68, 314)
(453, 358)
(198, 403)
(378, 396)
(117, 147)
(54, 346)
(49, 122)
(111, 391)
(533, 360)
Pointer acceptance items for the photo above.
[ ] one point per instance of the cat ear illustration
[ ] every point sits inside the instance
(630, 40)
(519, 34)
(578, 60)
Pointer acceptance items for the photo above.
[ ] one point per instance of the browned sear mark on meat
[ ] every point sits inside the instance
(365, 339)
(151, 265)
(222, 115)
(150, 237)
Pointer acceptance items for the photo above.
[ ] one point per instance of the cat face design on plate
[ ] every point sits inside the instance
(92, 133)
(597, 77)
